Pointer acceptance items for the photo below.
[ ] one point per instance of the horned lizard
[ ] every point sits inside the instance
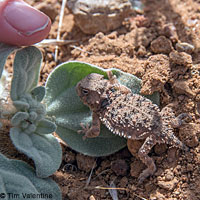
(129, 115)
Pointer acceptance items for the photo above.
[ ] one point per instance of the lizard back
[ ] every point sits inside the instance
(130, 115)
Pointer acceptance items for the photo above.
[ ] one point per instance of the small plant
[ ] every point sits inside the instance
(69, 112)
(31, 131)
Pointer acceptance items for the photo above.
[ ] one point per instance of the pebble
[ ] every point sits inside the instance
(168, 185)
(182, 87)
(161, 45)
(171, 155)
(149, 187)
(169, 30)
(169, 175)
(123, 182)
(85, 163)
(190, 167)
(136, 168)
(189, 133)
(181, 58)
(120, 167)
(160, 148)
(185, 47)
(69, 157)
(134, 146)
(91, 197)
(157, 196)
(99, 16)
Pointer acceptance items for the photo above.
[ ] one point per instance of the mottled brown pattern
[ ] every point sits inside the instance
(128, 115)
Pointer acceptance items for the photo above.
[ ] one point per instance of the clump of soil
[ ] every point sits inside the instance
(150, 46)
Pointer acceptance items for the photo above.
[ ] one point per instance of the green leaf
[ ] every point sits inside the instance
(38, 93)
(18, 118)
(21, 105)
(45, 127)
(5, 51)
(64, 105)
(17, 177)
(26, 71)
(43, 149)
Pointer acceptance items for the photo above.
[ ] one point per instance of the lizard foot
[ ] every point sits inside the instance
(90, 132)
(145, 174)
(84, 130)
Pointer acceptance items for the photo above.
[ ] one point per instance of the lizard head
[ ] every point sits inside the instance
(90, 89)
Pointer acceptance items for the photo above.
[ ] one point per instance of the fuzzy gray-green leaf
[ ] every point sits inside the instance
(65, 107)
(21, 105)
(26, 71)
(45, 127)
(19, 117)
(5, 51)
(17, 177)
(38, 93)
(43, 149)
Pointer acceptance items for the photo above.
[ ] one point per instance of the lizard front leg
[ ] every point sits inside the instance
(94, 130)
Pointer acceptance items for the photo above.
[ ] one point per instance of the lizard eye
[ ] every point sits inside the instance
(84, 91)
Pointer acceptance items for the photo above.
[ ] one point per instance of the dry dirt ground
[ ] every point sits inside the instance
(145, 45)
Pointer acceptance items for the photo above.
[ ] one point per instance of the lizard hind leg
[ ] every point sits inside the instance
(149, 162)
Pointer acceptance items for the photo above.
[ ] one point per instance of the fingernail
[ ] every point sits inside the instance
(24, 19)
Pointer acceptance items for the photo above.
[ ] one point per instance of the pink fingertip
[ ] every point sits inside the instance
(21, 24)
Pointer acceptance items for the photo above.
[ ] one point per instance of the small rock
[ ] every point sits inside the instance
(169, 30)
(157, 196)
(134, 146)
(136, 168)
(85, 163)
(189, 134)
(168, 185)
(69, 157)
(172, 155)
(141, 21)
(160, 148)
(91, 197)
(169, 175)
(182, 87)
(120, 167)
(133, 187)
(184, 47)
(190, 167)
(161, 45)
(159, 172)
(99, 16)
(181, 58)
(123, 182)
(141, 51)
(149, 187)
